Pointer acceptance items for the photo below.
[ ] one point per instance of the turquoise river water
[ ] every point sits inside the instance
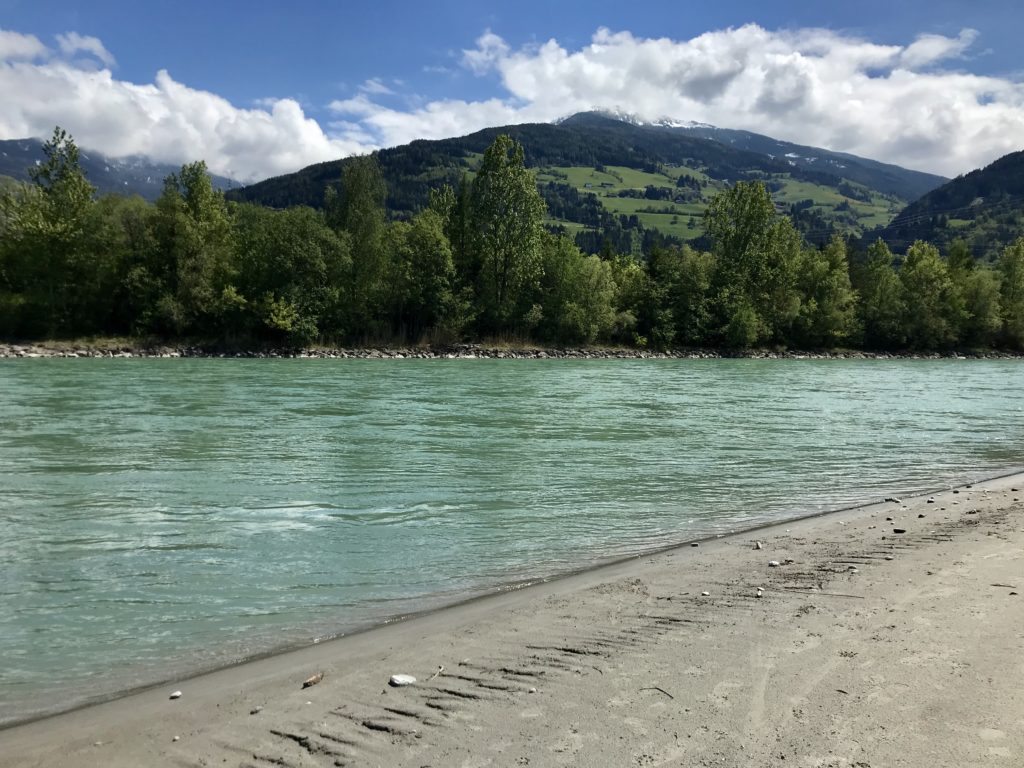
(165, 516)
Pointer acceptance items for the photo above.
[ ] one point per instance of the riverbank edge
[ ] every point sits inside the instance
(139, 349)
(488, 603)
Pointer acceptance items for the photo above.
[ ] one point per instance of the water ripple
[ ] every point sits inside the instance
(161, 516)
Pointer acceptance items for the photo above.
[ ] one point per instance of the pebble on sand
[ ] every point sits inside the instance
(311, 681)
(176, 695)
(397, 681)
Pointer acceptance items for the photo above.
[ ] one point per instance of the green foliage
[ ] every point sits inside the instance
(291, 273)
(684, 277)
(982, 211)
(423, 291)
(827, 315)
(577, 294)
(930, 319)
(194, 241)
(506, 213)
(882, 306)
(475, 261)
(982, 319)
(757, 254)
(1011, 268)
(359, 210)
(51, 248)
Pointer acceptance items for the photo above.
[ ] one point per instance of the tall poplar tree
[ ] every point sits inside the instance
(360, 211)
(506, 216)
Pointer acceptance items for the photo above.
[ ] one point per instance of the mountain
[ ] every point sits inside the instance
(125, 176)
(610, 177)
(891, 179)
(985, 208)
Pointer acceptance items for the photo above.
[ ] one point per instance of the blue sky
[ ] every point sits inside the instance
(372, 74)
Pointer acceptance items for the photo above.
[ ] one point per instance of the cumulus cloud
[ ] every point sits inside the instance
(490, 49)
(17, 46)
(72, 43)
(928, 49)
(913, 104)
(165, 120)
(899, 103)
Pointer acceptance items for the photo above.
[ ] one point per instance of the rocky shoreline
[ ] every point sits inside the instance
(470, 351)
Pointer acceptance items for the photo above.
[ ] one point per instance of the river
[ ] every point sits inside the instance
(165, 516)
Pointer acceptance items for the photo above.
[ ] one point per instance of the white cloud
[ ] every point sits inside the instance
(900, 103)
(929, 49)
(165, 120)
(812, 86)
(375, 86)
(14, 45)
(72, 43)
(490, 49)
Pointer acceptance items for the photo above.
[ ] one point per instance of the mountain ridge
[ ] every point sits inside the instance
(130, 175)
(604, 177)
(984, 208)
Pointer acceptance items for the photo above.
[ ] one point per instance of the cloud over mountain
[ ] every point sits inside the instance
(165, 120)
(909, 104)
(913, 104)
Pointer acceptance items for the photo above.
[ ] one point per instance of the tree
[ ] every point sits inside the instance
(757, 254)
(577, 294)
(1011, 269)
(194, 240)
(685, 276)
(979, 298)
(506, 216)
(292, 271)
(881, 300)
(48, 252)
(959, 259)
(454, 208)
(359, 210)
(828, 310)
(927, 290)
(423, 292)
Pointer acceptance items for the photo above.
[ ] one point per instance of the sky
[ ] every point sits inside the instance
(258, 89)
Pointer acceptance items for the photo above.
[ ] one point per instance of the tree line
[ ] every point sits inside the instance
(476, 263)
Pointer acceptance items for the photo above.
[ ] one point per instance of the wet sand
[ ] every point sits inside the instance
(865, 648)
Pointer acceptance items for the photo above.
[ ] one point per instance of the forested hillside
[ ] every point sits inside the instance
(984, 209)
(476, 263)
(607, 181)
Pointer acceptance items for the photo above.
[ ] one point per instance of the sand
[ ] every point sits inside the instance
(866, 648)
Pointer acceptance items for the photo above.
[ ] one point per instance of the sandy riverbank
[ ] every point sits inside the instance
(871, 648)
